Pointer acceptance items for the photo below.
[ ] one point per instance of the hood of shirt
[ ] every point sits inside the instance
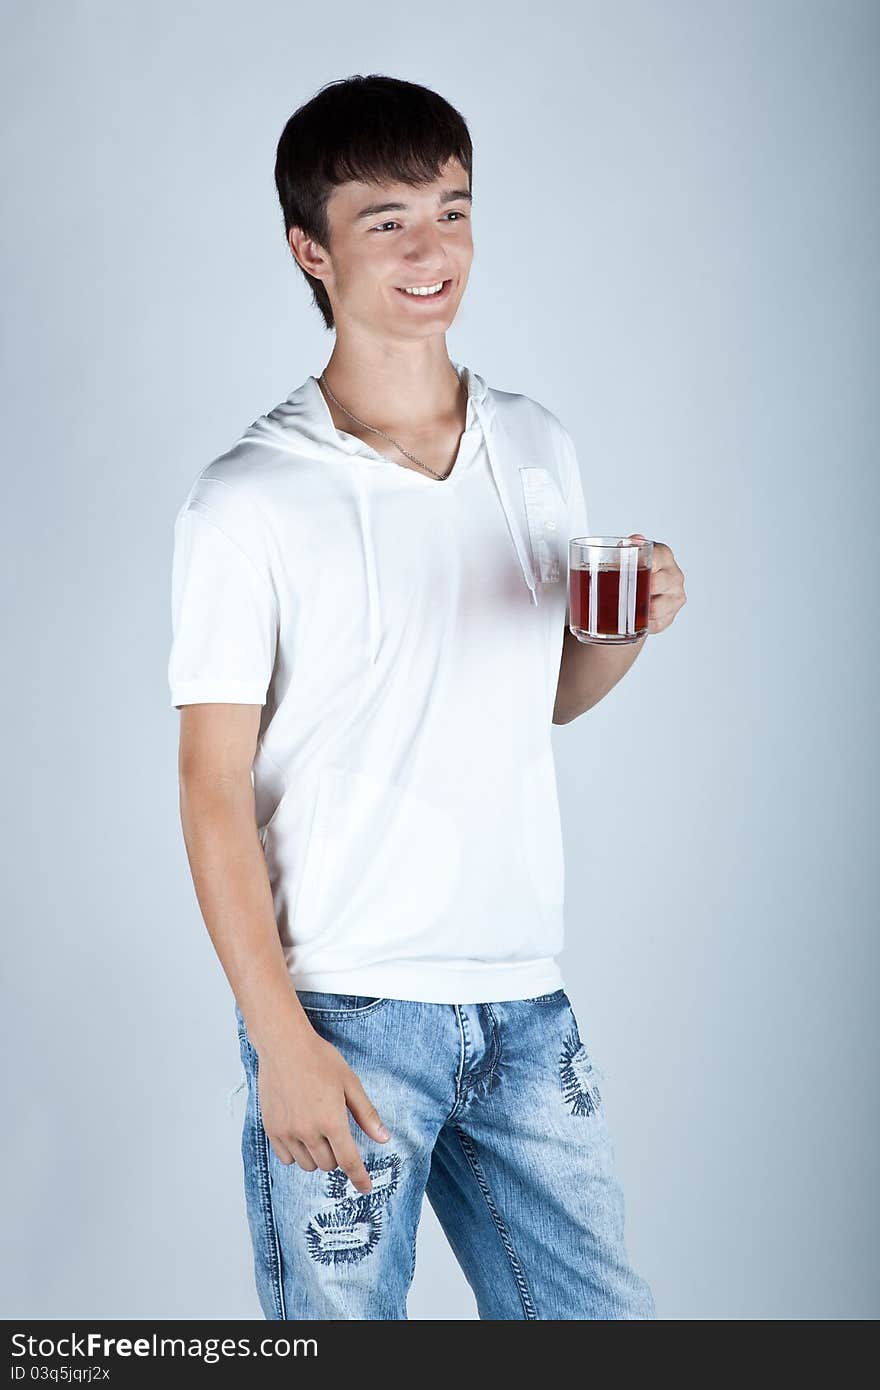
(302, 425)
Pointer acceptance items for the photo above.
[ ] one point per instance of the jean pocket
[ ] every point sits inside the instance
(557, 996)
(326, 1004)
(245, 1046)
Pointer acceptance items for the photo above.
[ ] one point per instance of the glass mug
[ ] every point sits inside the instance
(609, 581)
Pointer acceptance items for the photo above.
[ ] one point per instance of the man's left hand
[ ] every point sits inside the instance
(666, 594)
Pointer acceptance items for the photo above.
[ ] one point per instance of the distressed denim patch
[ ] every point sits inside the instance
(350, 1228)
(384, 1171)
(578, 1078)
(347, 1232)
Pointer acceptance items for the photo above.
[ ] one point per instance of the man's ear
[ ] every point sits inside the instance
(308, 253)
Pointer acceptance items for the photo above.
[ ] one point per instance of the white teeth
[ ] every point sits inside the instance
(426, 289)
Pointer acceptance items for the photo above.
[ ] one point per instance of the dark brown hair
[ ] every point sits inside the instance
(372, 129)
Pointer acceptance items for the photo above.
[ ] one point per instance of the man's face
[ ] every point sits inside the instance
(378, 252)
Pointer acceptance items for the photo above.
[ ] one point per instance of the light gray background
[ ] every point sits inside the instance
(676, 227)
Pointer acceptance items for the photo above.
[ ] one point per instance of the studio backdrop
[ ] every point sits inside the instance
(676, 222)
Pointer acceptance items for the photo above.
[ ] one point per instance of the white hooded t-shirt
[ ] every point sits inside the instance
(403, 635)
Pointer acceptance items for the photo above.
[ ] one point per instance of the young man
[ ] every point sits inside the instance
(369, 604)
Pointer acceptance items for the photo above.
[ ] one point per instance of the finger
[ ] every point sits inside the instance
(363, 1109)
(323, 1154)
(657, 614)
(350, 1161)
(302, 1157)
(661, 618)
(281, 1151)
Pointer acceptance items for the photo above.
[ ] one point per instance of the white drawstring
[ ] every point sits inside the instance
(513, 527)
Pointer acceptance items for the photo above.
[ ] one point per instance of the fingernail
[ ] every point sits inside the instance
(383, 1132)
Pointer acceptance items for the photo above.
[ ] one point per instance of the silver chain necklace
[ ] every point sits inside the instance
(442, 476)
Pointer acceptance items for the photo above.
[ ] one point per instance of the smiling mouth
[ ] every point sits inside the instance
(434, 298)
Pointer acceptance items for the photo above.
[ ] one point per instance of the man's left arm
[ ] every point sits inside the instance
(588, 670)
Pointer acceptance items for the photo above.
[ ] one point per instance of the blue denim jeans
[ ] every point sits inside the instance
(496, 1113)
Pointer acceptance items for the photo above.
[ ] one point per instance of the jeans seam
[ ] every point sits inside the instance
(496, 1047)
(460, 1091)
(344, 1013)
(266, 1204)
(412, 1263)
(470, 1153)
(545, 998)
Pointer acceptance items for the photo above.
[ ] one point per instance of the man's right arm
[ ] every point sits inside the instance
(217, 812)
(307, 1120)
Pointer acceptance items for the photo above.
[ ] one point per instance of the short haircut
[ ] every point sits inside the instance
(369, 129)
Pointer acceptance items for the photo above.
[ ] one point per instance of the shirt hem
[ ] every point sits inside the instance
(215, 693)
(464, 982)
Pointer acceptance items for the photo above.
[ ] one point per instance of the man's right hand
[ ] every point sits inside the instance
(304, 1098)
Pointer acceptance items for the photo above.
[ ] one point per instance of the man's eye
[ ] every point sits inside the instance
(382, 225)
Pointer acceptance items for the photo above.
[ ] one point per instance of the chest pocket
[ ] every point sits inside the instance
(545, 514)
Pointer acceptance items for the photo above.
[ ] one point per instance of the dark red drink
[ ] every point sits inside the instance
(611, 617)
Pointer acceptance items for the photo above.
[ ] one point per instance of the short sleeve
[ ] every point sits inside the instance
(223, 612)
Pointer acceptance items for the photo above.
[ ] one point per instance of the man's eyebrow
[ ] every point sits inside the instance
(449, 195)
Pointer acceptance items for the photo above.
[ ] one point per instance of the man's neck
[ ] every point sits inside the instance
(393, 389)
